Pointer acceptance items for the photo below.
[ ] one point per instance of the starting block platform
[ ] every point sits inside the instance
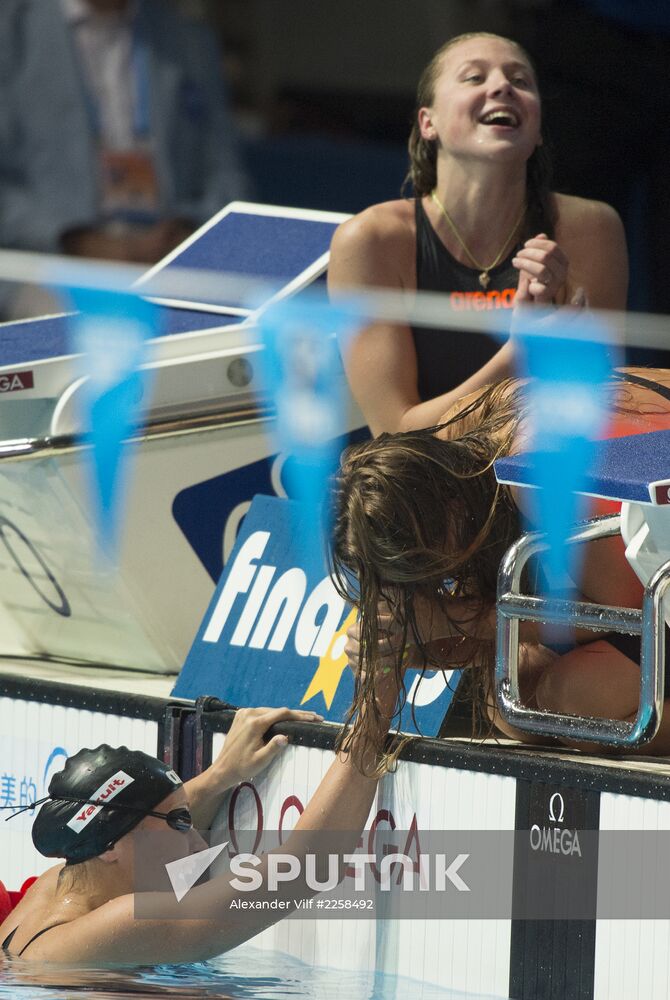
(205, 452)
(634, 469)
(285, 248)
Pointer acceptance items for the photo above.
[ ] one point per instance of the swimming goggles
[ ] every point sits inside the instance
(177, 819)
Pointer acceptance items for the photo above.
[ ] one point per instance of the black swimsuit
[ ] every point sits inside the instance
(10, 937)
(446, 358)
(661, 390)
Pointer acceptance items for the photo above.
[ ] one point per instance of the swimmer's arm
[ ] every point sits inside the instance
(380, 361)
(340, 806)
(245, 753)
(593, 236)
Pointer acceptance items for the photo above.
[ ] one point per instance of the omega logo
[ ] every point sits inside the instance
(551, 839)
(556, 798)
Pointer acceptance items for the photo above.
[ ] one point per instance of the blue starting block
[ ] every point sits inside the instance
(285, 248)
(635, 471)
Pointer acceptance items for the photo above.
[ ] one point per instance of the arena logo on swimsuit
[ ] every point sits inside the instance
(481, 301)
(274, 610)
(108, 791)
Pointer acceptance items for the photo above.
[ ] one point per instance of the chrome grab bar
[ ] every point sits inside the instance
(235, 414)
(649, 623)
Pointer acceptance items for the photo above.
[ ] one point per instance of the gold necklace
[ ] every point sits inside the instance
(484, 278)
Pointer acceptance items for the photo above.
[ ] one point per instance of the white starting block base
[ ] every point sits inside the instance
(206, 419)
(645, 528)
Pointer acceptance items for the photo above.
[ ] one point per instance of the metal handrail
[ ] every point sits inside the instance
(649, 623)
(165, 427)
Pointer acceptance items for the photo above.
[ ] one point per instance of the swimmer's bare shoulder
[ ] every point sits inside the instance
(592, 235)
(117, 933)
(659, 376)
(455, 425)
(122, 931)
(35, 909)
(375, 248)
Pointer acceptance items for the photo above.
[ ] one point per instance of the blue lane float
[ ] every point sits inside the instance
(110, 332)
(568, 411)
(301, 368)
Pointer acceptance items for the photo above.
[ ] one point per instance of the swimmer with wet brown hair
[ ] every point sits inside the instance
(422, 524)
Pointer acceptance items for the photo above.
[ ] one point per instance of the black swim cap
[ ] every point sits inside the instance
(77, 832)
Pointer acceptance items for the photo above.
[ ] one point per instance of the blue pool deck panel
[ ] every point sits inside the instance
(287, 248)
(634, 468)
(43, 339)
(283, 247)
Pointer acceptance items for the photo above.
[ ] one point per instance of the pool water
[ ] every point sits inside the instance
(248, 973)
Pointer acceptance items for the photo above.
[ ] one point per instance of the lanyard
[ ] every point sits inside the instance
(140, 63)
(141, 104)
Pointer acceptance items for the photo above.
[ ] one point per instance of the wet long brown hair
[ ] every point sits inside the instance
(422, 174)
(420, 520)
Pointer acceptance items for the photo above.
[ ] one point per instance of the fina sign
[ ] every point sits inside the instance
(275, 630)
(283, 606)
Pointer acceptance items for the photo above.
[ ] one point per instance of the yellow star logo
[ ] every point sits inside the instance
(331, 665)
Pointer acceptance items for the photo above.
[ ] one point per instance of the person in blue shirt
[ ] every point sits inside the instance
(115, 135)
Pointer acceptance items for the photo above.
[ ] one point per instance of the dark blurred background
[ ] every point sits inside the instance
(322, 97)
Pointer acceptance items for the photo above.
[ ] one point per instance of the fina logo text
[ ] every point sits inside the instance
(554, 839)
(272, 611)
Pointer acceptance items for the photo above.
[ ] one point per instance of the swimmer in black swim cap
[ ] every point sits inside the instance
(104, 794)
(91, 910)
(98, 797)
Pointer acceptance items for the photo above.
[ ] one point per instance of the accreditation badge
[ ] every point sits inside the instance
(129, 185)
